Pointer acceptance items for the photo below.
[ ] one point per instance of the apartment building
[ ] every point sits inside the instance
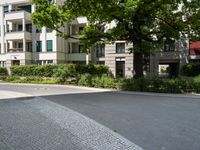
(22, 43)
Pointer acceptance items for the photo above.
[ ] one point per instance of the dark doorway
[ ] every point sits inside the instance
(15, 62)
(170, 70)
(120, 69)
(173, 70)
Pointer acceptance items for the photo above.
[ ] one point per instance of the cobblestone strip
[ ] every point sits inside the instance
(89, 133)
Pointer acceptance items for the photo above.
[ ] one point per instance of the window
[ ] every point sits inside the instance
(81, 48)
(20, 45)
(49, 45)
(27, 8)
(49, 61)
(6, 9)
(120, 47)
(29, 27)
(29, 46)
(50, 2)
(81, 29)
(169, 45)
(39, 46)
(20, 28)
(100, 50)
(38, 30)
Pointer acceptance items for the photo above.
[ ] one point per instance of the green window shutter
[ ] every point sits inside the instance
(49, 45)
(39, 46)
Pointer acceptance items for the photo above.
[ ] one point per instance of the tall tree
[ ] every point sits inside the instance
(145, 23)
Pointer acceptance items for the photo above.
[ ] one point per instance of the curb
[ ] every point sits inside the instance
(58, 85)
(195, 96)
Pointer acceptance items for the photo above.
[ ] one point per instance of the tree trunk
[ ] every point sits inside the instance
(138, 64)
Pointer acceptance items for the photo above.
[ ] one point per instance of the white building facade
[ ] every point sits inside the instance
(22, 43)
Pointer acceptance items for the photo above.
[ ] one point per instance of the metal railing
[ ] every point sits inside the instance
(13, 50)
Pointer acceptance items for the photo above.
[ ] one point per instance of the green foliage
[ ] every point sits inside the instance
(92, 69)
(33, 70)
(161, 85)
(85, 80)
(103, 81)
(12, 78)
(145, 23)
(62, 72)
(191, 70)
(3, 71)
(30, 79)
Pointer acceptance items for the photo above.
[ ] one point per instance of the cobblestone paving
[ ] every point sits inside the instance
(38, 124)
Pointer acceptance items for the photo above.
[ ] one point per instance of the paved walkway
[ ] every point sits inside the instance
(38, 124)
(10, 94)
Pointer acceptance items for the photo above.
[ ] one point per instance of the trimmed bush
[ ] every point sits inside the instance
(68, 70)
(92, 69)
(160, 85)
(33, 70)
(103, 81)
(85, 80)
(3, 71)
(191, 70)
(30, 79)
(64, 72)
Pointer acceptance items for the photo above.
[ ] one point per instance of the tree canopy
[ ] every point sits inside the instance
(145, 23)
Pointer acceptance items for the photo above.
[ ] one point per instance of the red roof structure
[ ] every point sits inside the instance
(195, 48)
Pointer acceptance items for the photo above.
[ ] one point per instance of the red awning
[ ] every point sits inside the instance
(195, 45)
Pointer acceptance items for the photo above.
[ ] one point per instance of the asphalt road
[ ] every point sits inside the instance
(152, 122)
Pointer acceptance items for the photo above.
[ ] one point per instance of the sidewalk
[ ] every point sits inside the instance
(9, 95)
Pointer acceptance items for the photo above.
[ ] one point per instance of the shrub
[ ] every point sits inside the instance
(70, 70)
(3, 71)
(64, 72)
(103, 82)
(12, 78)
(85, 80)
(196, 83)
(33, 70)
(191, 70)
(92, 69)
(30, 79)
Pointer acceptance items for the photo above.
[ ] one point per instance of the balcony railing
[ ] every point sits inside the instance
(13, 50)
(16, 10)
(12, 31)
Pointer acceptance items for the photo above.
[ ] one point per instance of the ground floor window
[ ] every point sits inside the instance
(3, 63)
(39, 46)
(101, 62)
(43, 62)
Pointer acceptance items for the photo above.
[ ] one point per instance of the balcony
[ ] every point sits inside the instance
(17, 14)
(80, 20)
(15, 50)
(15, 35)
(78, 57)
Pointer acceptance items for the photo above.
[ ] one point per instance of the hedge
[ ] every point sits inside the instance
(66, 70)
(162, 85)
(158, 85)
(3, 71)
(191, 70)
